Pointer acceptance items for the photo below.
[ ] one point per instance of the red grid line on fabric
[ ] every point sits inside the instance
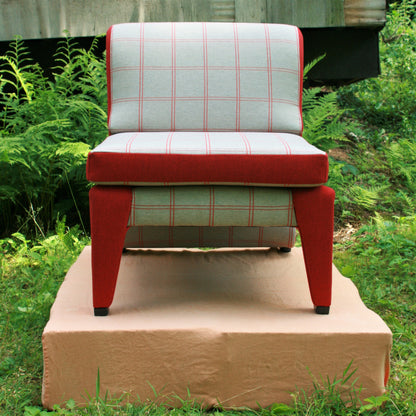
(199, 130)
(211, 209)
(230, 236)
(246, 143)
(286, 145)
(201, 68)
(290, 242)
(130, 142)
(169, 142)
(216, 40)
(140, 236)
(243, 147)
(269, 78)
(173, 95)
(260, 239)
(141, 78)
(207, 143)
(250, 207)
(172, 207)
(290, 210)
(132, 219)
(237, 78)
(205, 52)
(205, 99)
(171, 241)
(212, 206)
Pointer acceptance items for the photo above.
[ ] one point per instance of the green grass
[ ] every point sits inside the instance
(30, 275)
(372, 169)
(379, 258)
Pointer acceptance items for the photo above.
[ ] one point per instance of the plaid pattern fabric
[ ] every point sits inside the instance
(212, 206)
(284, 158)
(208, 143)
(158, 237)
(204, 77)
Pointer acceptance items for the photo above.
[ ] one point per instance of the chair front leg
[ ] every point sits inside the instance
(314, 208)
(109, 211)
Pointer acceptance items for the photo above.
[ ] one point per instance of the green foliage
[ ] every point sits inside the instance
(380, 260)
(47, 128)
(322, 119)
(30, 274)
(380, 173)
(389, 101)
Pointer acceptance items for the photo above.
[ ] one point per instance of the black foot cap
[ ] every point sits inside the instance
(100, 311)
(322, 310)
(285, 249)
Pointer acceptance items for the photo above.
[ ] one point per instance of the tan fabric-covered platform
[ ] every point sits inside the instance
(235, 326)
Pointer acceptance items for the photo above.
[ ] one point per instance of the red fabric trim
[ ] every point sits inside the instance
(314, 208)
(241, 169)
(386, 370)
(301, 59)
(108, 65)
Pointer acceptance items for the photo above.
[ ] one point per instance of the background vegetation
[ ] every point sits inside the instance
(47, 127)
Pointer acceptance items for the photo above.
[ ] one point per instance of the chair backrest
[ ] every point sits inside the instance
(204, 77)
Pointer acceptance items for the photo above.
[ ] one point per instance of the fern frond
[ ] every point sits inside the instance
(310, 65)
(20, 78)
(322, 119)
(19, 53)
(363, 197)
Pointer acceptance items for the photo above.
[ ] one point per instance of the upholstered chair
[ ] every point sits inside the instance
(205, 149)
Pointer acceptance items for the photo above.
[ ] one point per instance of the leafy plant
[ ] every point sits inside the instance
(389, 101)
(47, 128)
(379, 258)
(30, 275)
(322, 118)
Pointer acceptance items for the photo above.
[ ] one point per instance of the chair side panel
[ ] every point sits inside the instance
(204, 77)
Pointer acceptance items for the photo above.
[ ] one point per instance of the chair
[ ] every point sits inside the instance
(205, 149)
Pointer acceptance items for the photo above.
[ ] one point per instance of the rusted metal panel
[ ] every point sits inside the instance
(364, 12)
(307, 13)
(34, 19)
(251, 10)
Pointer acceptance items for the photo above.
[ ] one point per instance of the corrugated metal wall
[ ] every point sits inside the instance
(36, 19)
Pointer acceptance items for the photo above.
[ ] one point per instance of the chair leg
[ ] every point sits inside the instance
(314, 208)
(109, 211)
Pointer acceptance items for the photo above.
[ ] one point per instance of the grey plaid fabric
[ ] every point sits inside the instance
(212, 206)
(208, 143)
(154, 237)
(205, 77)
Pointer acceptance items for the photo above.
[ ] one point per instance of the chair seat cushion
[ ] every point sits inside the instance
(185, 158)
